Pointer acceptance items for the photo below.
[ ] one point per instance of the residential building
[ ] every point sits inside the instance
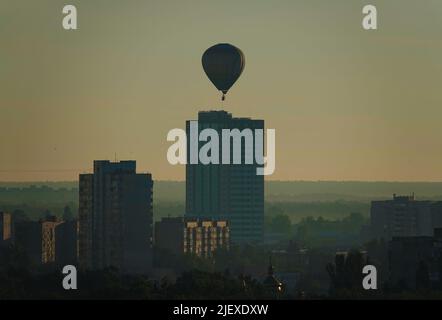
(416, 262)
(115, 218)
(66, 239)
(38, 239)
(201, 237)
(6, 229)
(404, 216)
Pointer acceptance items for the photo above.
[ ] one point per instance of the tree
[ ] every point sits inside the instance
(67, 214)
(281, 223)
(19, 216)
(346, 272)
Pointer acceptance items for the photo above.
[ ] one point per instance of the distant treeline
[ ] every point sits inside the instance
(296, 199)
(274, 190)
(350, 190)
(328, 209)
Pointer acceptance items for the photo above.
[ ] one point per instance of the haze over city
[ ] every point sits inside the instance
(346, 104)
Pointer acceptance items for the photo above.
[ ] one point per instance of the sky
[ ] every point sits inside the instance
(346, 103)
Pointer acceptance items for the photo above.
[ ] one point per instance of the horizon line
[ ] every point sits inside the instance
(272, 180)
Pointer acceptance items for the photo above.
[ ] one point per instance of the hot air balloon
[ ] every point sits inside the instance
(223, 64)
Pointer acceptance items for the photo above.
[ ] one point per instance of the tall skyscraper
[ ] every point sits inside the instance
(115, 218)
(232, 192)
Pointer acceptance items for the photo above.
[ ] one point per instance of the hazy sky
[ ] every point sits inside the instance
(347, 104)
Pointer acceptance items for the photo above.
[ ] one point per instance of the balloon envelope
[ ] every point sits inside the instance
(223, 64)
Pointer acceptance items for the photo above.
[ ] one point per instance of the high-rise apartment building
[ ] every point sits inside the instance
(409, 256)
(404, 216)
(232, 192)
(115, 218)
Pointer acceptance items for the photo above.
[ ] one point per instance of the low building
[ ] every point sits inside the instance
(290, 259)
(49, 241)
(201, 237)
(66, 243)
(48, 238)
(6, 229)
(416, 261)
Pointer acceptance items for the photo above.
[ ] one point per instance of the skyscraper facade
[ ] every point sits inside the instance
(115, 218)
(232, 192)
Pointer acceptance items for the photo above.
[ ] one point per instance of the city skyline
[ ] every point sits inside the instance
(347, 104)
(214, 158)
